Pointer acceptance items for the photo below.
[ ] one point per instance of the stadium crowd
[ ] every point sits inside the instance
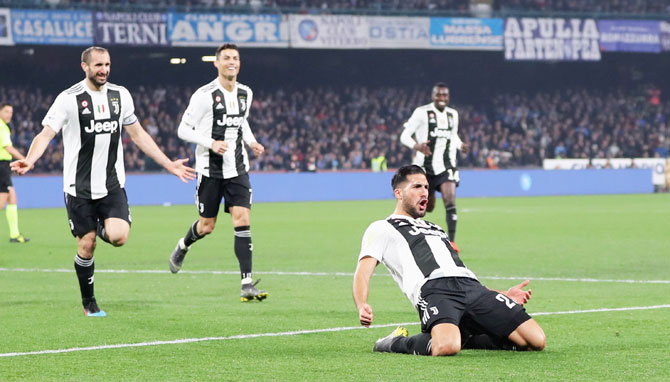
(323, 128)
(590, 6)
(454, 6)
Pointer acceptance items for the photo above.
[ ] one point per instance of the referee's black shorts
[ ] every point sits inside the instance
(465, 301)
(5, 176)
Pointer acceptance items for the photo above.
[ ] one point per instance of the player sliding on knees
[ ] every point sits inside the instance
(456, 311)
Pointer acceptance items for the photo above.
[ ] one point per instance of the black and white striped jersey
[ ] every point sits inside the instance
(440, 130)
(215, 113)
(91, 122)
(414, 251)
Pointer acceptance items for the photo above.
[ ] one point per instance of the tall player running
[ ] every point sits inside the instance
(216, 120)
(436, 141)
(91, 115)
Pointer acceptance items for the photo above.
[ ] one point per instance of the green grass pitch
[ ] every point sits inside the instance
(574, 249)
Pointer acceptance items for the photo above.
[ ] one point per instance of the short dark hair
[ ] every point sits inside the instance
(5, 104)
(226, 46)
(439, 85)
(403, 172)
(86, 54)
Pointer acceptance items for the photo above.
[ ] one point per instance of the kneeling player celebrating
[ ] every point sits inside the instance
(456, 311)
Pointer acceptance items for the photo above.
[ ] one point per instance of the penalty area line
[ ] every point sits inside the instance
(289, 333)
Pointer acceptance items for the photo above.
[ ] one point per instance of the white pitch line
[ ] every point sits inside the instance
(583, 280)
(604, 310)
(290, 333)
(346, 274)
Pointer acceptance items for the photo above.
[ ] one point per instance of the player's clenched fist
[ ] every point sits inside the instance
(365, 315)
(220, 147)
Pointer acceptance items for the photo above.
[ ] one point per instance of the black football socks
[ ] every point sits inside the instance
(85, 269)
(192, 235)
(243, 248)
(452, 218)
(419, 344)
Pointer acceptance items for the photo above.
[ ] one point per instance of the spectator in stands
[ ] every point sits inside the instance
(341, 127)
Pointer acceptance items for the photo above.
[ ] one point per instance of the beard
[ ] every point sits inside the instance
(413, 210)
(94, 79)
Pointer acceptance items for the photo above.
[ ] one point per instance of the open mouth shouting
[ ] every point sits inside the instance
(423, 203)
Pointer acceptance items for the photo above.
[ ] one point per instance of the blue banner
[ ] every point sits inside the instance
(194, 29)
(124, 28)
(52, 27)
(630, 36)
(466, 33)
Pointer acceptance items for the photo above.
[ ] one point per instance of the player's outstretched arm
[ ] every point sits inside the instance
(366, 266)
(37, 148)
(144, 141)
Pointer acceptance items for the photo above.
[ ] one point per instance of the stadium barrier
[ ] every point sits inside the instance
(164, 189)
(659, 166)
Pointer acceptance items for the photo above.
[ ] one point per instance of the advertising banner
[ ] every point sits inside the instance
(329, 32)
(200, 29)
(629, 36)
(5, 29)
(657, 165)
(547, 39)
(665, 35)
(52, 27)
(466, 33)
(399, 32)
(124, 28)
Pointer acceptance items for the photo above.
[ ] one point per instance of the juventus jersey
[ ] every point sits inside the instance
(440, 130)
(215, 113)
(414, 251)
(91, 122)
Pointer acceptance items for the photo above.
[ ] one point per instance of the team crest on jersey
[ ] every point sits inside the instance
(451, 120)
(243, 104)
(115, 105)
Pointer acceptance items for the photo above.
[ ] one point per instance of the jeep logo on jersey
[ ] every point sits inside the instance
(230, 121)
(102, 127)
(440, 133)
(427, 231)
